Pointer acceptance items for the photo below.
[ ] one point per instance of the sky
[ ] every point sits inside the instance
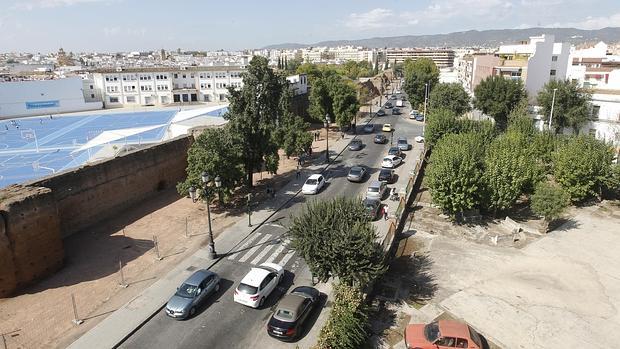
(134, 25)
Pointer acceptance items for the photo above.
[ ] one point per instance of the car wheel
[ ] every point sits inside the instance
(217, 287)
(192, 311)
(261, 302)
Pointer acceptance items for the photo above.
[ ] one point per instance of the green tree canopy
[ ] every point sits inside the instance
(455, 173)
(254, 114)
(450, 96)
(354, 70)
(497, 96)
(582, 166)
(293, 135)
(345, 103)
(346, 327)
(571, 107)
(440, 122)
(216, 152)
(417, 74)
(336, 238)
(549, 201)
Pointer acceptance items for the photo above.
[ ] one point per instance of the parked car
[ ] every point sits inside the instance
(356, 174)
(258, 284)
(388, 105)
(356, 144)
(387, 128)
(386, 175)
(403, 98)
(287, 321)
(442, 334)
(419, 117)
(391, 161)
(369, 128)
(403, 144)
(393, 97)
(413, 114)
(381, 112)
(419, 139)
(313, 184)
(372, 207)
(394, 151)
(376, 190)
(399, 103)
(380, 139)
(395, 111)
(192, 293)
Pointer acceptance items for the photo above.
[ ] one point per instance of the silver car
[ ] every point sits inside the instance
(356, 174)
(376, 190)
(403, 144)
(192, 293)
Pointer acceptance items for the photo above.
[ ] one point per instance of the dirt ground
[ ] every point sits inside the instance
(42, 315)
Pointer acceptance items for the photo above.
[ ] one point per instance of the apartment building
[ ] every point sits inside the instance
(165, 85)
(535, 62)
(443, 58)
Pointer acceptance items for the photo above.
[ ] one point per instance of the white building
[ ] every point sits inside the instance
(534, 62)
(166, 85)
(298, 84)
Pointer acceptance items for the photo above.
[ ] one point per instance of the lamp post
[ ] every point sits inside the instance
(326, 123)
(249, 209)
(391, 136)
(206, 190)
(425, 98)
(552, 105)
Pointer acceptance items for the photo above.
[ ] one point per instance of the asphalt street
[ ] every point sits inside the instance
(221, 323)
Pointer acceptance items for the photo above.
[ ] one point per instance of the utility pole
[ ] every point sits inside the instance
(425, 98)
(552, 105)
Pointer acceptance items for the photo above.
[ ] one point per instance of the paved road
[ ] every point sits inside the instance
(225, 324)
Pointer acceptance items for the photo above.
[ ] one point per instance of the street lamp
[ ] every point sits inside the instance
(425, 98)
(552, 105)
(326, 123)
(249, 197)
(206, 192)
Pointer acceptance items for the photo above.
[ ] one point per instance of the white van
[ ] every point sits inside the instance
(399, 103)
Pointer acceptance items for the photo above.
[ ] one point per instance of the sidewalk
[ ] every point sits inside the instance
(141, 308)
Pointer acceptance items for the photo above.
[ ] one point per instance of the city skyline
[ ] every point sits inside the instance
(123, 25)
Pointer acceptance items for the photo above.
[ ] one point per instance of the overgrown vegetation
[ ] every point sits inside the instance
(549, 201)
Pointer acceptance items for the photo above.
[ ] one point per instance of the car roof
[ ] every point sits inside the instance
(390, 157)
(371, 200)
(387, 124)
(292, 303)
(384, 170)
(375, 183)
(314, 176)
(197, 277)
(402, 138)
(450, 328)
(357, 167)
(255, 276)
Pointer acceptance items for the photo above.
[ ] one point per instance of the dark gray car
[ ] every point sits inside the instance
(192, 293)
(372, 208)
(369, 128)
(356, 144)
(356, 174)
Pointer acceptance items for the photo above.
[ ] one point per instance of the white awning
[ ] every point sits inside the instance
(114, 135)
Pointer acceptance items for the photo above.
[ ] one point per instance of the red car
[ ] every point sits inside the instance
(442, 334)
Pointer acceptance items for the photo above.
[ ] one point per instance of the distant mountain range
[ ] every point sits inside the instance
(484, 38)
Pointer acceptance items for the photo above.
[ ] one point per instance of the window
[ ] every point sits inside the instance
(554, 58)
(113, 99)
(184, 76)
(131, 99)
(461, 343)
(176, 76)
(92, 95)
(91, 87)
(552, 72)
(595, 111)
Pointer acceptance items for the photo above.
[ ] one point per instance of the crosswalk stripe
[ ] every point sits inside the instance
(254, 248)
(262, 254)
(277, 252)
(244, 246)
(286, 258)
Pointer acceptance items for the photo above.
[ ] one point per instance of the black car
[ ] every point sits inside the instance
(356, 144)
(395, 151)
(381, 112)
(386, 175)
(372, 207)
(369, 128)
(380, 139)
(288, 319)
(395, 111)
(388, 105)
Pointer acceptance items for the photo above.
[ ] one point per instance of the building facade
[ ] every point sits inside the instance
(442, 58)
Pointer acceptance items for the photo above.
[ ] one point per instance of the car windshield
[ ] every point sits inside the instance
(402, 141)
(247, 289)
(387, 159)
(475, 337)
(285, 314)
(384, 173)
(373, 189)
(355, 171)
(379, 137)
(187, 291)
(355, 142)
(311, 181)
(431, 332)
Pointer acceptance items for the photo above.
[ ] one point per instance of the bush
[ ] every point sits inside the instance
(346, 327)
(549, 201)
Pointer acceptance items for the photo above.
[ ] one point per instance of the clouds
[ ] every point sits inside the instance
(46, 4)
(596, 22)
(110, 32)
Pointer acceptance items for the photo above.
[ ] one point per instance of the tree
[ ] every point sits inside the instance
(279, 63)
(439, 122)
(216, 152)
(310, 69)
(336, 239)
(549, 201)
(571, 107)
(293, 135)
(582, 166)
(418, 73)
(452, 97)
(520, 121)
(509, 170)
(497, 97)
(376, 68)
(321, 102)
(345, 103)
(254, 114)
(455, 173)
(346, 327)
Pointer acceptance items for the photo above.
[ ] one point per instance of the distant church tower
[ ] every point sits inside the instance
(63, 59)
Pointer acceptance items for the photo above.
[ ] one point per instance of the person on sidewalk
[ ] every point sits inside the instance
(298, 172)
(385, 212)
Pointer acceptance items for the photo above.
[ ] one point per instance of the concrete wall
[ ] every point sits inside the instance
(29, 98)
(35, 216)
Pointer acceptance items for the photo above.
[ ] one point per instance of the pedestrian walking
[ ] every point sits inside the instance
(385, 212)
(342, 134)
(298, 172)
(310, 151)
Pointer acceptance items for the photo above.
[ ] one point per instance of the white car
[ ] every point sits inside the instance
(419, 139)
(313, 184)
(256, 285)
(413, 114)
(391, 161)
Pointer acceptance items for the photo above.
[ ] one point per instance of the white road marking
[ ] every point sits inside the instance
(287, 257)
(252, 250)
(262, 254)
(277, 252)
(244, 246)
